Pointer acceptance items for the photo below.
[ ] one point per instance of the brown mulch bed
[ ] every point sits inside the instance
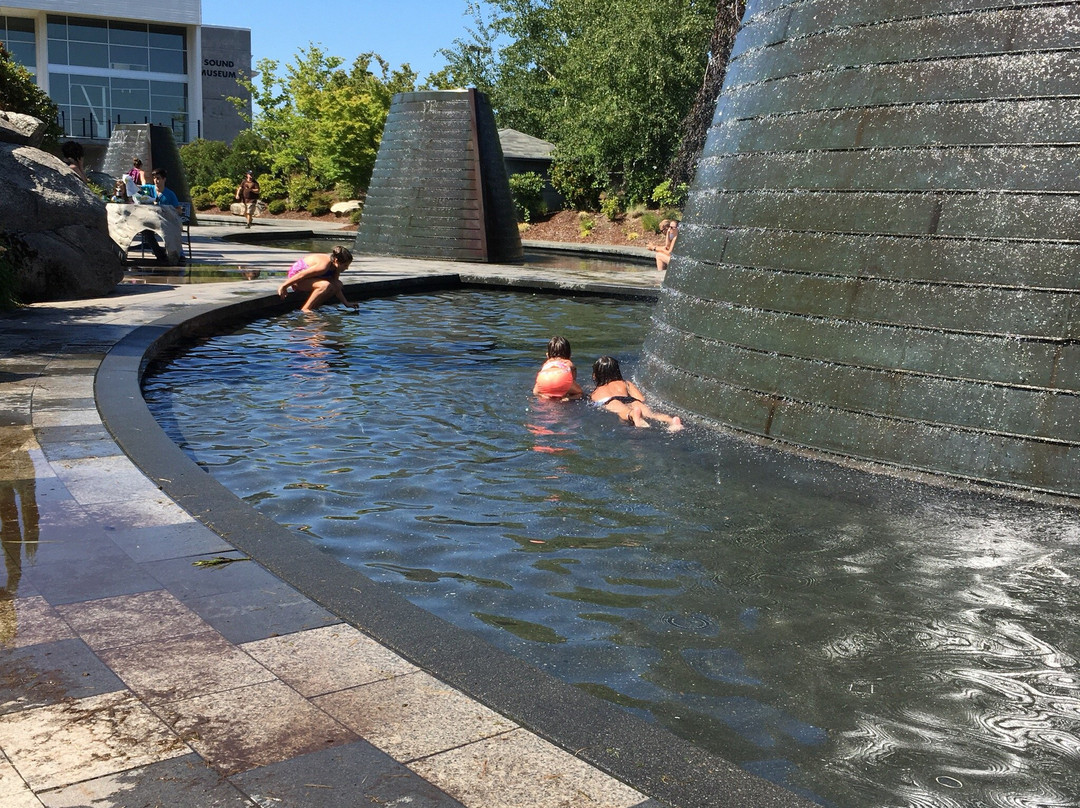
(566, 226)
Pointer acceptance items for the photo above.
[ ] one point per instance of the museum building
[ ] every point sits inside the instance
(106, 62)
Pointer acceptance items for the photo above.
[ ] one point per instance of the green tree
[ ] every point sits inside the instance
(608, 81)
(322, 119)
(202, 161)
(19, 93)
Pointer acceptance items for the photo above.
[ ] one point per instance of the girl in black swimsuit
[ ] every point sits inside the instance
(624, 398)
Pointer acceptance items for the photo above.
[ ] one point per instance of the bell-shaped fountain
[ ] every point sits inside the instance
(880, 249)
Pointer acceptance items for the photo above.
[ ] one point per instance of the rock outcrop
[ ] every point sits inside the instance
(22, 130)
(55, 227)
(128, 221)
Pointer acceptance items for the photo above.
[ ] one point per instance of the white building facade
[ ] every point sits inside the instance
(106, 62)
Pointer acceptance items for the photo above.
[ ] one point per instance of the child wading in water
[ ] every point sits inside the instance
(318, 276)
(624, 398)
(558, 377)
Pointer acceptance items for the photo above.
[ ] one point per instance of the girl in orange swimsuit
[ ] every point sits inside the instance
(558, 377)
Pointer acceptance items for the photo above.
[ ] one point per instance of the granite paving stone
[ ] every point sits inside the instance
(150, 512)
(169, 541)
(127, 620)
(100, 575)
(97, 480)
(14, 792)
(52, 672)
(181, 782)
(77, 740)
(326, 659)
(247, 616)
(342, 777)
(183, 667)
(251, 726)
(520, 770)
(29, 620)
(413, 716)
(187, 581)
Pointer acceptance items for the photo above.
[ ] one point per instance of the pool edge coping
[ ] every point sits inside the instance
(642, 754)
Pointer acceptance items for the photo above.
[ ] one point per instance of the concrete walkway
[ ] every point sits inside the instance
(132, 676)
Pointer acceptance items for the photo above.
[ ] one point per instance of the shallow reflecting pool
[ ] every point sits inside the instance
(862, 640)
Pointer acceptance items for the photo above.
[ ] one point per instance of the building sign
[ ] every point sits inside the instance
(218, 69)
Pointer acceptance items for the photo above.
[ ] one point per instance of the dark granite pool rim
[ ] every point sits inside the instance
(644, 755)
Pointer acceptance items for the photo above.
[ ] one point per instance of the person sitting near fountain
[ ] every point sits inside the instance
(319, 276)
(624, 398)
(73, 155)
(164, 197)
(670, 230)
(138, 176)
(120, 194)
(557, 378)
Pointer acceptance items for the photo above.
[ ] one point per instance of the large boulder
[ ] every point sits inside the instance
(56, 227)
(23, 130)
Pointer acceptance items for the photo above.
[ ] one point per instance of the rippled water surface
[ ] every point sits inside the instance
(864, 641)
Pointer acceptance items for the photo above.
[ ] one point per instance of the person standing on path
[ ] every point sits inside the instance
(247, 194)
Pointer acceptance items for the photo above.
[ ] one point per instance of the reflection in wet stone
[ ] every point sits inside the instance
(18, 518)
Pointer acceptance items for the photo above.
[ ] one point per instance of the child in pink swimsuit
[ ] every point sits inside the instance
(558, 377)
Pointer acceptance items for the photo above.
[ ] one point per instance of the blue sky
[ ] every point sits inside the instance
(398, 30)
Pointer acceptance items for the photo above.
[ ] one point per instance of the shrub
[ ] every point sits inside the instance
(579, 186)
(203, 160)
(587, 224)
(612, 206)
(527, 189)
(632, 235)
(667, 196)
(319, 204)
(301, 187)
(356, 215)
(270, 187)
(202, 201)
(650, 222)
(277, 206)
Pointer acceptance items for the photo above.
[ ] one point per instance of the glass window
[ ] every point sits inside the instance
(165, 61)
(86, 54)
(128, 33)
(122, 57)
(24, 54)
(17, 34)
(58, 52)
(57, 27)
(131, 94)
(168, 97)
(58, 88)
(167, 37)
(82, 30)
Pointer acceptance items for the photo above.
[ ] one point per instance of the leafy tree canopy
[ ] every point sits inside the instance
(19, 93)
(321, 118)
(608, 81)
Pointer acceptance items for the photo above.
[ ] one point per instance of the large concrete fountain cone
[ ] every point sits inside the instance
(879, 259)
(439, 188)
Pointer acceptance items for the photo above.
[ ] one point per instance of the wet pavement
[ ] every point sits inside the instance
(132, 674)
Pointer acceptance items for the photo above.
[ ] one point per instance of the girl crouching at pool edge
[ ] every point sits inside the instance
(319, 276)
(557, 379)
(624, 398)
